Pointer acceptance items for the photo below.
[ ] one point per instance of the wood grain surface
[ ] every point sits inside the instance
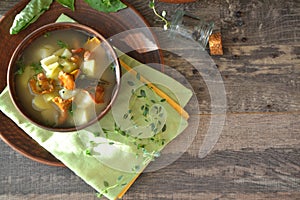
(258, 153)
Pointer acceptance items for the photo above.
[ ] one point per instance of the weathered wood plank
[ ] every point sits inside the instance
(252, 132)
(176, 196)
(6, 5)
(254, 82)
(269, 171)
(260, 22)
(216, 196)
(73, 196)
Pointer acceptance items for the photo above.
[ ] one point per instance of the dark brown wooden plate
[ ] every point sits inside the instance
(107, 24)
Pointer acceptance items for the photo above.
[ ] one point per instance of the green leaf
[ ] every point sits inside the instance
(96, 134)
(88, 152)
(106, 184)
(130, 83)
(46, 35)
(152, 125)
(125, 116)
(151, 4)
(32, 11)
(138, 76)
(123, 133)
(37, 67)
(61, 44)
(143, 93)
(99, 195)
(20, 71)
(105, 130)
(21, 66)
(136, 168)
(67, 3)
(146, 111)
(120, 178)
(141, 146)
(164, 128)
(106, 5)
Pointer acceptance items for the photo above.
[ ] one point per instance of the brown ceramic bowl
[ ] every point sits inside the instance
(41, 32)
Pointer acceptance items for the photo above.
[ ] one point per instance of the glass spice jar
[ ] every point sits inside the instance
(191, 27)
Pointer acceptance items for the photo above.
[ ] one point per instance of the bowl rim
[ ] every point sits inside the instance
(37, 34)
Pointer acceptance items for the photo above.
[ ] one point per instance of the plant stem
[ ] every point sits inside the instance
(152, 6)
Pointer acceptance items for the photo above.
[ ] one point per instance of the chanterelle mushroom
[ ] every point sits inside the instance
(64, 106)
(68, 80)
(97, 94)
(41, 84)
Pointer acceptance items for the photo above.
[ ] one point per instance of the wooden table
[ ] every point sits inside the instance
(258, 153)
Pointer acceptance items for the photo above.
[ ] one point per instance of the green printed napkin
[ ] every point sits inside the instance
(110, 154)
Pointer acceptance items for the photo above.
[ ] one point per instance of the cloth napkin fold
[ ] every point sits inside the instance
(110, 154)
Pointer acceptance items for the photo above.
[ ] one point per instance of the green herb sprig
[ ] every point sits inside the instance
(108, 186)
(21, 67)
(161, 16)
(62, 44)
(150, 156)
(37, 67)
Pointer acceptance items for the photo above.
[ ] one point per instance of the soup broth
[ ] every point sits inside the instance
(65, 78)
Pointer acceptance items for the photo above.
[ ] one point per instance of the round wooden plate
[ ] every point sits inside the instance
(107, 24)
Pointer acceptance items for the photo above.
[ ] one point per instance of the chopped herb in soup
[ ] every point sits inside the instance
(66, 78)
